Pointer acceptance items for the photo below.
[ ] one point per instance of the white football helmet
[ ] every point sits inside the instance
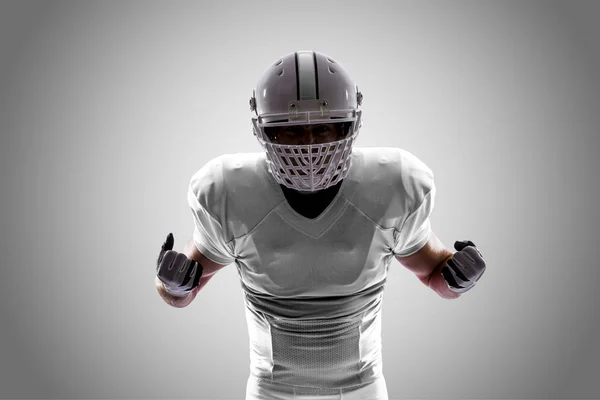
(305, 88)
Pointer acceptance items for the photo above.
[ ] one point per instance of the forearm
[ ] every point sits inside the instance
(438, 284)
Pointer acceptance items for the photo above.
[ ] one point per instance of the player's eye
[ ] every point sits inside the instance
(321, 130)
(291, 131)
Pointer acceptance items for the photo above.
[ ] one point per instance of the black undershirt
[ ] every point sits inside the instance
(311, 204)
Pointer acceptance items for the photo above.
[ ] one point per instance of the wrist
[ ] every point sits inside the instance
(438, 283)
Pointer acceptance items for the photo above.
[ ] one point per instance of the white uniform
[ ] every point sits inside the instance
(313, 287)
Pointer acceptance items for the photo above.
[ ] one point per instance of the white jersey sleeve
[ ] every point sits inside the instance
(415, 230)
(206, 199)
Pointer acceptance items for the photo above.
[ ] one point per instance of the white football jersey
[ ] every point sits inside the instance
(313, 287)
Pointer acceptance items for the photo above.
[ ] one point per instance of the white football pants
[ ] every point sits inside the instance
(258, 389)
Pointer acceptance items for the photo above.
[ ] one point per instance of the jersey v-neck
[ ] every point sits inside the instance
(315, 226)
(311, 204)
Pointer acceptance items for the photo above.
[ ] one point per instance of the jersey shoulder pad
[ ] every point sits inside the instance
(236, 191)
(393, 183)
(207, 185)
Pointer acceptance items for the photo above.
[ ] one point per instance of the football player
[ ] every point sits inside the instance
(312, 225)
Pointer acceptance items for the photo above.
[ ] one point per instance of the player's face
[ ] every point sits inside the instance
(307, 134)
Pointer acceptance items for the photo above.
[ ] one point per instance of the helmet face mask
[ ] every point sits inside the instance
(307, 120)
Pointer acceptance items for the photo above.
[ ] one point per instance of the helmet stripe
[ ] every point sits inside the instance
(306, 75)
(316, 75)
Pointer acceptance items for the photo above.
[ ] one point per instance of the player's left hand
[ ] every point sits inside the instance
(465, 267)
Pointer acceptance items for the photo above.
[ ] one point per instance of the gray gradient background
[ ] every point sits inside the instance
(108, 108)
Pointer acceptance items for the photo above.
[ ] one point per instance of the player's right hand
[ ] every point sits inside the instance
(177, 272)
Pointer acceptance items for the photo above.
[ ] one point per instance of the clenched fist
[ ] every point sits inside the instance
(465, 267)
(177, 272)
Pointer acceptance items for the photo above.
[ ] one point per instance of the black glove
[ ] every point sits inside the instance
(178, 273)
(465, 267)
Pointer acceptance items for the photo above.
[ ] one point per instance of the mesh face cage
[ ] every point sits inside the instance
(308, 167)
